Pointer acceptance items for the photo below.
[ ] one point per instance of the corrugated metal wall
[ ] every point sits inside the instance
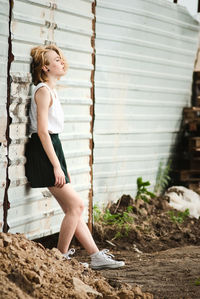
(73, 19)
(145, 52)
(33, 211)
(4, 33)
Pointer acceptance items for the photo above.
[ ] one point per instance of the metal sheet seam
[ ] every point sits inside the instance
(102, 84)
(122, 70)
(38, 2)
(155, 60)
(138, 117)
(136, 131)
(151, 143)
(143, 28)
(73, 101)
(6, 203)
(92, 90)
(90, 1)
(111, 159)
(74, 12)
(143, 88)
(146, 13)
(167, 3)
(170, 5)
(75, 47)
(138, 102)
(145, 43)
(74, 136)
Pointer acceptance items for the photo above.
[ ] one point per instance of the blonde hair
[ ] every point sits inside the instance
(39, 59)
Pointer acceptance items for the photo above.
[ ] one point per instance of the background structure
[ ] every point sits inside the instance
(130, 75)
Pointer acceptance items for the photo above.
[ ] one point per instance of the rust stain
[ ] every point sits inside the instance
(91, 143)
(6, 203)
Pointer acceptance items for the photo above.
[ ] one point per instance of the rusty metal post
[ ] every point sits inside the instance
(6, 204)
(175, 1)
(91, 145)
(198, 9)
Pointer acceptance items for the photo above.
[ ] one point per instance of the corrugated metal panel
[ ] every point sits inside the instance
(33, 211)
(145, 52)
(27, 205)
(73, 34)
(4, 33)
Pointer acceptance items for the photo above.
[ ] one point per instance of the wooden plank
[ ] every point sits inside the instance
(190, 175)
(194, 144)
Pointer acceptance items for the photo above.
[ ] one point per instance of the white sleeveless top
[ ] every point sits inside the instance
(55, 114)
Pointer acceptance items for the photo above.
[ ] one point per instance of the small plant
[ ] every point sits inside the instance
(197, 282)
(96, 213)
(162, 177)
(142, 192)
(122, 221)
(179, 216)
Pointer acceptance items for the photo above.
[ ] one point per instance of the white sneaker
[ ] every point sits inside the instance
(71, 252)
(103, 259)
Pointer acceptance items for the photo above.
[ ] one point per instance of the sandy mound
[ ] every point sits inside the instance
(28, 270)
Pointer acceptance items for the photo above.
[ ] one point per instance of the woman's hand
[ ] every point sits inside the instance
(59, 177)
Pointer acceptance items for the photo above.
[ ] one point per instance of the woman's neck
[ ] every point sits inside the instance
(51, 82)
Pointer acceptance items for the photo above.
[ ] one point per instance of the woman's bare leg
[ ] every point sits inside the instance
(84, 236)
(72, 223)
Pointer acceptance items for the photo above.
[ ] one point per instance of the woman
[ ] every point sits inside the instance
(46, 166)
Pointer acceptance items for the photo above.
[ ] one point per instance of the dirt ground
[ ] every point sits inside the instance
(28, 270)
(169, 274)
(161, 253)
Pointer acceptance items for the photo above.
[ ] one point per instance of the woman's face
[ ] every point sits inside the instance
(56, 65)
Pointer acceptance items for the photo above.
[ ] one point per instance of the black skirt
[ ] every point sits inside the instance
(38, 168)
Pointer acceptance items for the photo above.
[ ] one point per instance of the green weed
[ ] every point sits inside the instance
(162, 177)
(121, 221)
(197, 282)
(142, 192)
(179, 216)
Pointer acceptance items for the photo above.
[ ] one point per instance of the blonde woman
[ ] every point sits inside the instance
(45, 163)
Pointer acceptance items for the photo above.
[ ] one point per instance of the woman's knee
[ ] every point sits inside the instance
(81, 207)
(69, 200)
(77, 207)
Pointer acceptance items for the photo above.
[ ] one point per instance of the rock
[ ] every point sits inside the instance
(41, 246)
(33, 277)
(147, 296)
(149, 209)
(1, 243)
(143, 212)
(163, 205)
(6, 239)
(58, 255)
(192, 237)
(177, 236)
(136, 249)
(110, 297)
(139, 203)
(80, 286)
(137, 290)
(125, 294)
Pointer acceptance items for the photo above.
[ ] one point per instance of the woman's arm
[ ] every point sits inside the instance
(43, 100)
